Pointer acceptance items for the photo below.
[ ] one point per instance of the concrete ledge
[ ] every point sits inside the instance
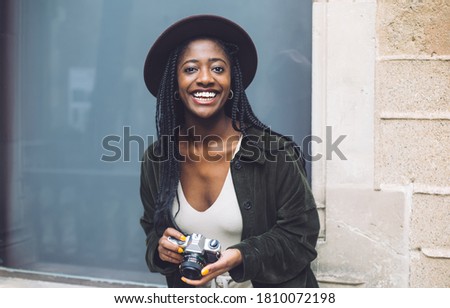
(22, 278)
(9, 282)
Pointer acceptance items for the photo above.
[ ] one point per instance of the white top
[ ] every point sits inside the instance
(221, 221)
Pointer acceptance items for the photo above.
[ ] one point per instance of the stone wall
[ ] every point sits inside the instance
(381, 79)
(413, 128)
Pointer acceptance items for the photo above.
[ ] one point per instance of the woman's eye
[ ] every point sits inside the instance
(218, 69)
(190, 69)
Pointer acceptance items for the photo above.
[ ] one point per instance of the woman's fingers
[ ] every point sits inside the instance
(168, 250)
(208, 274)
(169, 255)
(229, 259)
(174, 233)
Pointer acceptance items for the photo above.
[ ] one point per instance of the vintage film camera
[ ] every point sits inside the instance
(198, 252)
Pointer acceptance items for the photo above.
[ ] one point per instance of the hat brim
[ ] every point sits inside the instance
(198, 26)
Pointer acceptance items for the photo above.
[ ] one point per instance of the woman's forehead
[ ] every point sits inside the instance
(204, 46)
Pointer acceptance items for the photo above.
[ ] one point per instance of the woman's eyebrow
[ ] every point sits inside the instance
(209, 60)
(216, 59)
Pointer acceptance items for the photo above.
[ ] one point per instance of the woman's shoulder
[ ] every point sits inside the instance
(153, 153)
(274, 146)
(270, 140)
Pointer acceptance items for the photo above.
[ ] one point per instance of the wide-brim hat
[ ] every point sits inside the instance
(199, 26)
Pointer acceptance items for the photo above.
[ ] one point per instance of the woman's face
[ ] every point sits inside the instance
(204, 78)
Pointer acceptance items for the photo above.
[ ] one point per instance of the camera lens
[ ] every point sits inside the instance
(192, 266)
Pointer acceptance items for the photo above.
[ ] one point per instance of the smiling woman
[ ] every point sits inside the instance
(259, 205)
(204, 79)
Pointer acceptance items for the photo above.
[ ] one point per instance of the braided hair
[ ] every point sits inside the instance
(170, 116)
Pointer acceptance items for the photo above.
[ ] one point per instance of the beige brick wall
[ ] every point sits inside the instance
(413, 151)
(413, 27)
(413, 88)
(381, 78)
(430, 225)
(366, 241)
(430, 241)
(412, 126)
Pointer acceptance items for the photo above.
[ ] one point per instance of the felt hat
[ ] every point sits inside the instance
(199, 26)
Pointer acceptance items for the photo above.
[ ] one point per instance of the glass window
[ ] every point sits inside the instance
(83, 118)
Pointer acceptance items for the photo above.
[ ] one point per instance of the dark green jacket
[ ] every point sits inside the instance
(280, 220)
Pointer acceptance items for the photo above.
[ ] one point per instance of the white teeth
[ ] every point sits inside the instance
(205, 94)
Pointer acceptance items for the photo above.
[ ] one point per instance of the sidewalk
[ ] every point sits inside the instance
(10, 282)
(15, 278)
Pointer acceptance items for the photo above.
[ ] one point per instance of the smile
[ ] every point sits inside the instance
(204, 96)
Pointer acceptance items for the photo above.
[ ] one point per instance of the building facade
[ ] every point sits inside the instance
(381, 76)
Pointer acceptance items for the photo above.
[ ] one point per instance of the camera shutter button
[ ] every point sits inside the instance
(213, 243)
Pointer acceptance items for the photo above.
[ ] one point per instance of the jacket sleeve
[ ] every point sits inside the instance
(284, 251)
(148, 192)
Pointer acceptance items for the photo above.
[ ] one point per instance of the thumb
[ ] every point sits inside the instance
(210, 268)
(229, 259)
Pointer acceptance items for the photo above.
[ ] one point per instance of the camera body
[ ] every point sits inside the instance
(198, 252)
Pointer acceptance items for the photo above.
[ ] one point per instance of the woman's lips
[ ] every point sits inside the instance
(204, 97)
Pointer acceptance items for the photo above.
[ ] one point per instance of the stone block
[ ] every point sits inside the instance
(412, 151)
(429, 272)
(364, 246)
(350, 72)
(413, 27)
(430, 221)
(418, 88)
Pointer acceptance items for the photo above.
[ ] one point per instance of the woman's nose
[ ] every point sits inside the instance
(205, 78)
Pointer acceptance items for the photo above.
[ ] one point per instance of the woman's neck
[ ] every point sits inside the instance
(220, 126)
(209, 137)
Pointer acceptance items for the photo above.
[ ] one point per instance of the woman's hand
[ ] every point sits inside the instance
(230, 258)
(168, 251)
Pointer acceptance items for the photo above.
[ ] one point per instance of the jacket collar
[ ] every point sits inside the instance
(260, 145)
